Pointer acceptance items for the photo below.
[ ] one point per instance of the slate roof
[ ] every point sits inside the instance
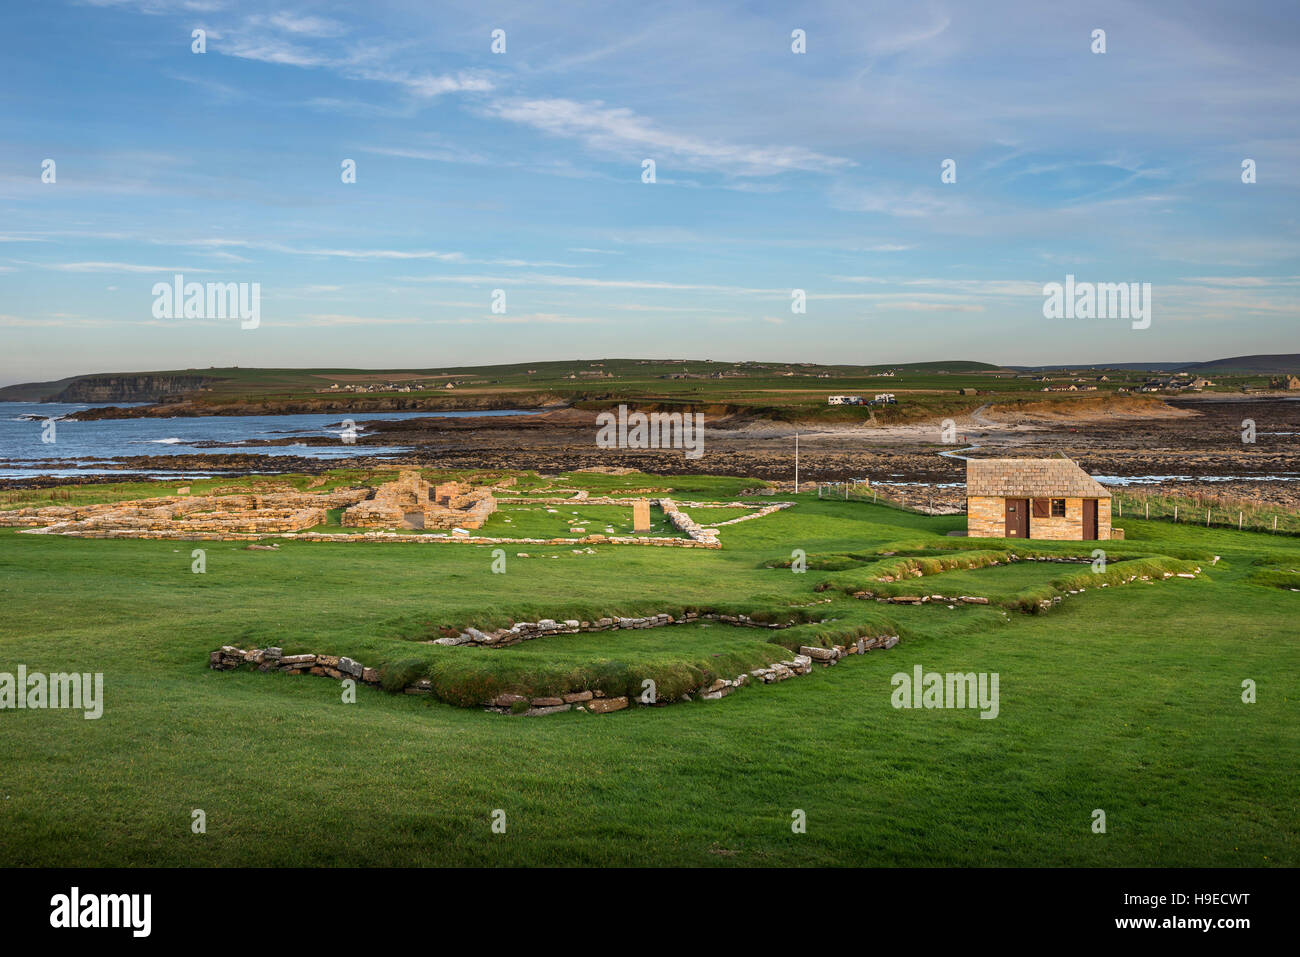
(1031, 478)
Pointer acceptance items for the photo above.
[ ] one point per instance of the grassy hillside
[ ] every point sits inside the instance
(1269, 364)
(1126, 699)
(795, 392)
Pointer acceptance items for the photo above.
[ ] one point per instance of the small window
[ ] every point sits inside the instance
(1058, 508)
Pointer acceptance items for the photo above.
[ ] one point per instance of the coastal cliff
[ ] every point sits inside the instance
(146, 387)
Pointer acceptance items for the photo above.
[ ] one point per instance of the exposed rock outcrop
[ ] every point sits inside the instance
(148, 387)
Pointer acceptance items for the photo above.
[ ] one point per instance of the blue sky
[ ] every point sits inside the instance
(522, 171)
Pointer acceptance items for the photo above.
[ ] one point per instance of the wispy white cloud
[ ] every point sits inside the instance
(26, 322)
(373, 253)
(538, 279)
(622, 132)
(538, 318)
(308, 25)
(342, 319)
(1245, 281)
(912, 305)
(115, 267)
(892, 201)
(427, 85)
(270, 50)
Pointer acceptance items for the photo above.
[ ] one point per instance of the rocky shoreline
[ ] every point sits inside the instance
(1203, 441)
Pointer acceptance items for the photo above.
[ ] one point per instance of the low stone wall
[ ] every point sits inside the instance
(229, 658)
(415, 538)
(261, 521)
(918, 599)
(526, 630)
(1044, 604)
(765, 510)
(49, 514)
(683, 522)
(567, 496)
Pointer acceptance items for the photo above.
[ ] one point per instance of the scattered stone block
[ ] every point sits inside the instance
(554, 709)
(641, 515)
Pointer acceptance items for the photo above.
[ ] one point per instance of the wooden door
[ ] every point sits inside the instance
(1089, 518)
(1017, 518)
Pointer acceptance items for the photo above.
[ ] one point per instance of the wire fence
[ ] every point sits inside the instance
(1207, 510)
(919, 500)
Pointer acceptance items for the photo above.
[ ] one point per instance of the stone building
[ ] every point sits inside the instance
(1035, 498)
(411, 502)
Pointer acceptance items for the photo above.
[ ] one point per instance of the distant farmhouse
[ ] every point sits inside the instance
(884, 398)
(1178, 382)
(1036, 498)
(1288, 382)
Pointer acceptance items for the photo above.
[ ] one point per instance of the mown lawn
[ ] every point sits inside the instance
(1127, 700)
(995, 582)
(518, 519)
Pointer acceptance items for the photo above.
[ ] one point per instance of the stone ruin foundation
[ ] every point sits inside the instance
(408, 502)
(271, 513)
(411, 502)
(230, 658)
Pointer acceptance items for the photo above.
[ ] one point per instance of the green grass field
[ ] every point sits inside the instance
(1127, 699)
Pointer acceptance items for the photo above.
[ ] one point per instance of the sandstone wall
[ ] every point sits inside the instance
(448, 505)
(986, 518)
